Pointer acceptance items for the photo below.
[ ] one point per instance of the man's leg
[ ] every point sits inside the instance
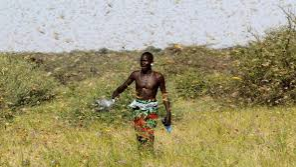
(145, 131)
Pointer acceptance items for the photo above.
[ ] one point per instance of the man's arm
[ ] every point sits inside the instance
(122, 87)
(166, 102)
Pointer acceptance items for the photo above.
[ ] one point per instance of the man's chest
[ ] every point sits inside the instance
(147, 81)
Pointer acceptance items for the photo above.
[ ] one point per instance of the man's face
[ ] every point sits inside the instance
(145, 63)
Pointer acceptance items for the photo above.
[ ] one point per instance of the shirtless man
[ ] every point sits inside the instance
(145, 105)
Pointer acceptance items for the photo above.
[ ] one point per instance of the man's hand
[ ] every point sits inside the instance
(167, 119)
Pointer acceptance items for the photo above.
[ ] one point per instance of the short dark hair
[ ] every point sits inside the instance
(148, 55)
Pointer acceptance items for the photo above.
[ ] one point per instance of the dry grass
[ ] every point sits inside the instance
(242, 137)
(66, 132)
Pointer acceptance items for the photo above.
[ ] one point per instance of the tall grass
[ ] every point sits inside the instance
(257, 136)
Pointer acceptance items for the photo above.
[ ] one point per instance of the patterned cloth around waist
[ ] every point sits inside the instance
(144, 104)
(142, 108)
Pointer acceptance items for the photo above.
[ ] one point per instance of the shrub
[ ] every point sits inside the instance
(222, 87)
(267, 68)
(21, 83)
(191, 84)
(103, 51)
(152, 49)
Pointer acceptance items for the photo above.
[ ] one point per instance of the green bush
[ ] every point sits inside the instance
(152, 49)
(191, 84)
(267, 68)
(21, 83)
(222, 87)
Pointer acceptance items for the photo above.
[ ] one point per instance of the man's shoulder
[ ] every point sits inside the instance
(158, 74)
(135, 73)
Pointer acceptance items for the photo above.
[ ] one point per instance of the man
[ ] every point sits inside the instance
(145, 105)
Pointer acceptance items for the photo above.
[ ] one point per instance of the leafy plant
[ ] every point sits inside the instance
(267, 68)
(21, 83)
(191, 84)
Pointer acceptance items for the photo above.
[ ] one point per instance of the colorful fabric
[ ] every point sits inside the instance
(145, 114)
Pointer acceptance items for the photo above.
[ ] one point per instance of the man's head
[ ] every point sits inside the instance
(146, 61)
(148, 55)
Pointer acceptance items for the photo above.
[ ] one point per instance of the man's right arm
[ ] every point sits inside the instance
(122, 87)
(167, 119)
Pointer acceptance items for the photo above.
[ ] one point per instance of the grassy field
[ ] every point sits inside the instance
(66, 131)
(204, 136)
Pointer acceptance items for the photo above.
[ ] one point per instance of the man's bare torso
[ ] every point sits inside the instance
(146, 84)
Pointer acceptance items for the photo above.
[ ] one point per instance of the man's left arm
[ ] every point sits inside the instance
(166, 102)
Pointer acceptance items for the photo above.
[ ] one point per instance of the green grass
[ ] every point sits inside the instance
(205, 136)
(66, 131)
